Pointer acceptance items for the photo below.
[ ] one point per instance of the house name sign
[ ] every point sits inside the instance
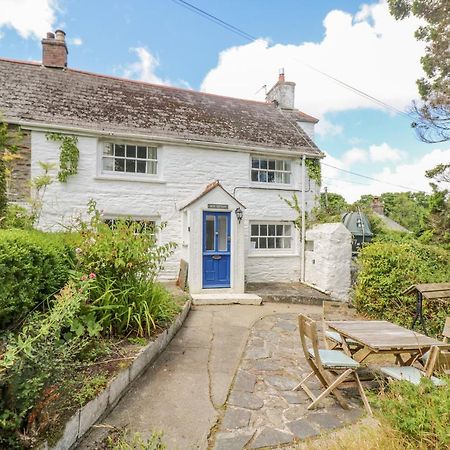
(217, 206)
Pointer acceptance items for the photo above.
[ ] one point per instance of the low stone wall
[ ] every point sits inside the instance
(97, 408)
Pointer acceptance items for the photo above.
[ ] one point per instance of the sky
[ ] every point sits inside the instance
(360, 44)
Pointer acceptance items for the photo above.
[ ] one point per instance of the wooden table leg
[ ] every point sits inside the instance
(362, 354)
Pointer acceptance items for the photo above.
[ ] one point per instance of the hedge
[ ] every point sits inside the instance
(388, 268)
(33, 266)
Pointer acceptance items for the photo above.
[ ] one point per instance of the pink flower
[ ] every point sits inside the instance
(84, 278)
(92, 276)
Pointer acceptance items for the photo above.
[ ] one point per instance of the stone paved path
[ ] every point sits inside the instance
(261, 409)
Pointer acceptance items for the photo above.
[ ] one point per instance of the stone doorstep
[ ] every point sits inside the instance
(226, 299)
(89, 414)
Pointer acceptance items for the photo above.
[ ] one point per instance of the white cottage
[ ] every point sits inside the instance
(216, 169)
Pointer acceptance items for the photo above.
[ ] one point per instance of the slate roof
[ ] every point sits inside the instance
(33, 93)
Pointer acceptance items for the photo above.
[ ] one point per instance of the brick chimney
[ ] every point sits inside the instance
(282, 93)
(377, 206)
(54, 50)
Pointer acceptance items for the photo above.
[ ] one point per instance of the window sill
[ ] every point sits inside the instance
(271, 185)
(273, 255)
(136, 179)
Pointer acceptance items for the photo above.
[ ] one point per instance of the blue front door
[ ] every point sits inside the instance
(216, 249)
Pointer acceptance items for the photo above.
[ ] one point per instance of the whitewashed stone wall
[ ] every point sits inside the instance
(328, 259)
(184, 172)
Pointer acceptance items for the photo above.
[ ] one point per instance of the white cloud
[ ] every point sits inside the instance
(144, 68)
(327, 128)
(405, 176)
(354, 155)
(370, 51)
(385, 152)
(76, 41)
(30, 18)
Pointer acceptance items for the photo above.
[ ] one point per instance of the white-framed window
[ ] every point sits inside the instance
(272, 236)
(124, 158)
(266, 170)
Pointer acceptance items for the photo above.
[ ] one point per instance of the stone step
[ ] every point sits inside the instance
(226, 299)
(296, 293)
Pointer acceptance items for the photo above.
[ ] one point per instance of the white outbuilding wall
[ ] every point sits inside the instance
(328, 259)
(183, 172)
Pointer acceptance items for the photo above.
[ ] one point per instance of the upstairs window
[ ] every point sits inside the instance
(271, 170)
(271, 236)
(128, 158)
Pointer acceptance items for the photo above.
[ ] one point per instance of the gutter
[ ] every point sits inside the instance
(42, 126)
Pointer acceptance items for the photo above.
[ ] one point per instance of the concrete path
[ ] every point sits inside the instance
(184, 393)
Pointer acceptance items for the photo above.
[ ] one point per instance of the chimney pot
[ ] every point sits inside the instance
(54, 50)
(281, 76)
(60, 35)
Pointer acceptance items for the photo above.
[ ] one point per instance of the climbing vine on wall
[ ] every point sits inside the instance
(314, 170)
(68, 156)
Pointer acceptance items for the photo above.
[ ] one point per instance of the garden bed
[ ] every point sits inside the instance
(70, 415)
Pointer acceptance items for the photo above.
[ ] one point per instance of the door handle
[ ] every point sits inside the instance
(216, 257)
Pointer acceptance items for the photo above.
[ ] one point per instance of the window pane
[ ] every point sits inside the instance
(119, 165)
(271, 177)
(108, 149)
(255, 163)
(131, 151)
(209, 231)
(287, 242)
(254, 243)
(287, 165)
(140, 166)
(263, 230)
(286, 178)
(279, 165)
(263, 177)
(119, 150)
(151, 167)
(254, 175)
(254, 231)
(278, 177)
(262, 242)
(108, 164)
(271, 243)
(271, 230)
(152, 153)
(278, 243)
(130, 166)
(263, 164)
(279, 230)
(222, 230)
(287, 230)
(272, 165)
(142, 152)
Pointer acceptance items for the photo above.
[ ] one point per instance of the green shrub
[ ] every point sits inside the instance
(17, 216)
(33, 266)
(3, 195)
(122, 263)
(386, 268)
(421, 413)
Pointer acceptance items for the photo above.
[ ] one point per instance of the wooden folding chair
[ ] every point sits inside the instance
(325, 364)
(438, 362)
(338, 311)
(446, 338)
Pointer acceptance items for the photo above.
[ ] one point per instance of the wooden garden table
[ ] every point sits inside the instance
(381, 337)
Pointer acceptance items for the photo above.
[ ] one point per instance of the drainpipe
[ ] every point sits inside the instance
(303, 207)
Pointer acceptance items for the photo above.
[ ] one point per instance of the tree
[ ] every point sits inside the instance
(433, 115)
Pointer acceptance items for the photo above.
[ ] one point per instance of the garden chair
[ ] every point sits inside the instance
(338, 311)
(446, 337)
(325, 365)
(438, 361)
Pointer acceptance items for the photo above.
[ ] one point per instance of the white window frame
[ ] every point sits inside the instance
(274, 170)
(129, 176)
(280, 250)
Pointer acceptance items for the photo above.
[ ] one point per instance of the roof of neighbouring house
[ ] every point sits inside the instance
(32, 93)
(391, 224)
(357, 223)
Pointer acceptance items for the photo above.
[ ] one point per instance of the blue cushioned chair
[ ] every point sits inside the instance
(324, 365)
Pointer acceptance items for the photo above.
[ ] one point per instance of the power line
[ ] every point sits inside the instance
(250, 38)
(370, 178)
